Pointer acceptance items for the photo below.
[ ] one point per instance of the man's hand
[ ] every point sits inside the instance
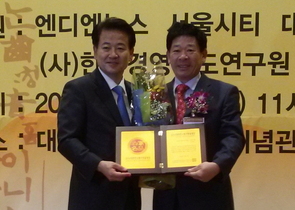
(203, 172)
(113, 171)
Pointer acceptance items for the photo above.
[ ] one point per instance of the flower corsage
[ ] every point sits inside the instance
(198, 102)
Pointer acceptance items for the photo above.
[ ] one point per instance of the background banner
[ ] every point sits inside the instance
(44, 44)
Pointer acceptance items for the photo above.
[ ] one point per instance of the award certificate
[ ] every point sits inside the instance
(160, 149)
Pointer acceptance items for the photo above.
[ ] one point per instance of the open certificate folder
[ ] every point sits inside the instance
(160, 149)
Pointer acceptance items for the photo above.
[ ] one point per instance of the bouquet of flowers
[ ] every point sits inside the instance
(150, 101)
(151, 108)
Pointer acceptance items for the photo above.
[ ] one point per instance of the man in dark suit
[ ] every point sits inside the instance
(87, 120)
(206, 186)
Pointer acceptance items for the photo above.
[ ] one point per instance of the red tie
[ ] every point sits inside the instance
(180, 92)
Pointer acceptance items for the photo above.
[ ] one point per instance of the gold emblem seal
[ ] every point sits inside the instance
(137, 145)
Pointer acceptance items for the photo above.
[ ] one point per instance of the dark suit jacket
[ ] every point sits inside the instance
(224, 143)
(87, 119)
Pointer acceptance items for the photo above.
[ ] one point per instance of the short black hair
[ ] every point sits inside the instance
(185, 29)
(113, 23)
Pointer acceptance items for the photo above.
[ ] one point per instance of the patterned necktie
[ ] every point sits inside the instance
(180, 93)
(121, 105)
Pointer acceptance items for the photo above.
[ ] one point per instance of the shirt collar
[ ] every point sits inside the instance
(111, 83)
(192, 84)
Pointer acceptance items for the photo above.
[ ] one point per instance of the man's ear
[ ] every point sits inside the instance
(204, 55)
(131, 54)
(168, 56)
(94, 50)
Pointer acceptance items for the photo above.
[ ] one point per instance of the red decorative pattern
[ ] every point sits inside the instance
(180, 93)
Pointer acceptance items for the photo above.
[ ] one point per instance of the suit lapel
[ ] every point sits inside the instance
(105, 94)
(172, 98)
(203, 84)
(128, 90)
